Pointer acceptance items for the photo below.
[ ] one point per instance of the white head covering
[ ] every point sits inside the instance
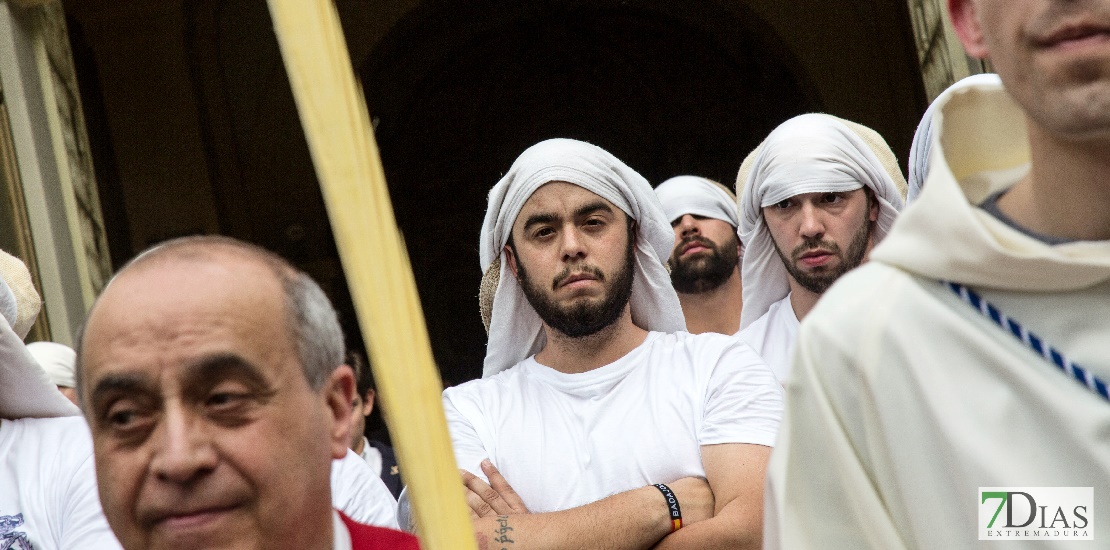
(919, 151)
(811, 153)
(515, 330)
(24, 389)
(58, 360)
(18, 297)
(683, 195)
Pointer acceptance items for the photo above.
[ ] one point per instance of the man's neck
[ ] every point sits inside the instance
(359, 446)
(716, 310)
(802, 300)
(341, 537)
(577, 355)
(1066, 193)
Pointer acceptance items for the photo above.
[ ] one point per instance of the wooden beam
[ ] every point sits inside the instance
(333, 113)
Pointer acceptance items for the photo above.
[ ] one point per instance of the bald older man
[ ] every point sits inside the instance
(210, 371)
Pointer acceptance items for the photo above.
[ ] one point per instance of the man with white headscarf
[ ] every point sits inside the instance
(705, 261)
(964, 369)
(818, 193)
(58, 361)
(591, 392)
(48, 494)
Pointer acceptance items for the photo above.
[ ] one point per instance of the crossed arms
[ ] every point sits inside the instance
(723, 511)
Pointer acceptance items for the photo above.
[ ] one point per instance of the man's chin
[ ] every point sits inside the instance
(1080, 113)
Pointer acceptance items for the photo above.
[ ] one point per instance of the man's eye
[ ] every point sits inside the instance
(125, 417)
(121, 419)
(225, 399)
(831, 197)
(783, 205)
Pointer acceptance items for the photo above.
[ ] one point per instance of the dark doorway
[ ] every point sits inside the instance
(195, 129)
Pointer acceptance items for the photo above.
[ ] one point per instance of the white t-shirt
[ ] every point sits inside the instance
(772, 336)
(358, 492)
(48, 494)
(565, 440)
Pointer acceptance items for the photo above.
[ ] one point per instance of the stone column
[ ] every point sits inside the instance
(54, 162)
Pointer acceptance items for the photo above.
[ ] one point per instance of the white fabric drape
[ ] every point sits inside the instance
(25, 391)
(920, 149)
(58, 360)
(515, 330)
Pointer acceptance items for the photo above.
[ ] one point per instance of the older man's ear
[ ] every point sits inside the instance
(338, 393)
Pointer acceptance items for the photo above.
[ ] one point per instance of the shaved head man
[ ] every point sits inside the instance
(705, 262)
(210, 377)
(963, 370)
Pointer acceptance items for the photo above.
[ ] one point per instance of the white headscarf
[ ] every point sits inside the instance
(515, 330)
(683, 195)
(25, 391)
(811, 153)
(58, 360)
(919, 151)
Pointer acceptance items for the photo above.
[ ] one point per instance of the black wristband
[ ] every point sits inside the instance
(672, 505)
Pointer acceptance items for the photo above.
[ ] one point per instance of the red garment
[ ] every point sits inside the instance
(368, 537)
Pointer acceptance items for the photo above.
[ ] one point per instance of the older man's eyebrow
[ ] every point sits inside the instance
(222, 366)
(209, 370)
(123, 383)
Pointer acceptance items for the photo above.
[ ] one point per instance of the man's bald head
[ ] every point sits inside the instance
(311, 320)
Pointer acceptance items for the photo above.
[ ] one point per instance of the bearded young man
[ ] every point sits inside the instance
(818, 193)
(591, 392)
(705, 261)
(968, 357)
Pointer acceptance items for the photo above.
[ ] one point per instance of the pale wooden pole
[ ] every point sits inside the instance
(333, 113)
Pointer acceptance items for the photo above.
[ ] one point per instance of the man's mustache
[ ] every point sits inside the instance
(584, 268)
(814, 243)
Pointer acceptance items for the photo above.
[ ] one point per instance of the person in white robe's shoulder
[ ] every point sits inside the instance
(968, 358)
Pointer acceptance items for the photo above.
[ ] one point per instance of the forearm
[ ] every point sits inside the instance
(634, 519)
(732, 528)
(736, 472)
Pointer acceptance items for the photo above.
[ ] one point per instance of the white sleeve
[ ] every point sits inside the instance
(743, 401)
(468, 446)
(360, 493)
(83, 522)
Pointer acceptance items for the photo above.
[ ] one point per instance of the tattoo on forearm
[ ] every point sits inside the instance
(502, 533)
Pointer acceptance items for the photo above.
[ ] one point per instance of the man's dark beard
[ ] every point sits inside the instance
(703, 272)
(820, 279)
(583, 318)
